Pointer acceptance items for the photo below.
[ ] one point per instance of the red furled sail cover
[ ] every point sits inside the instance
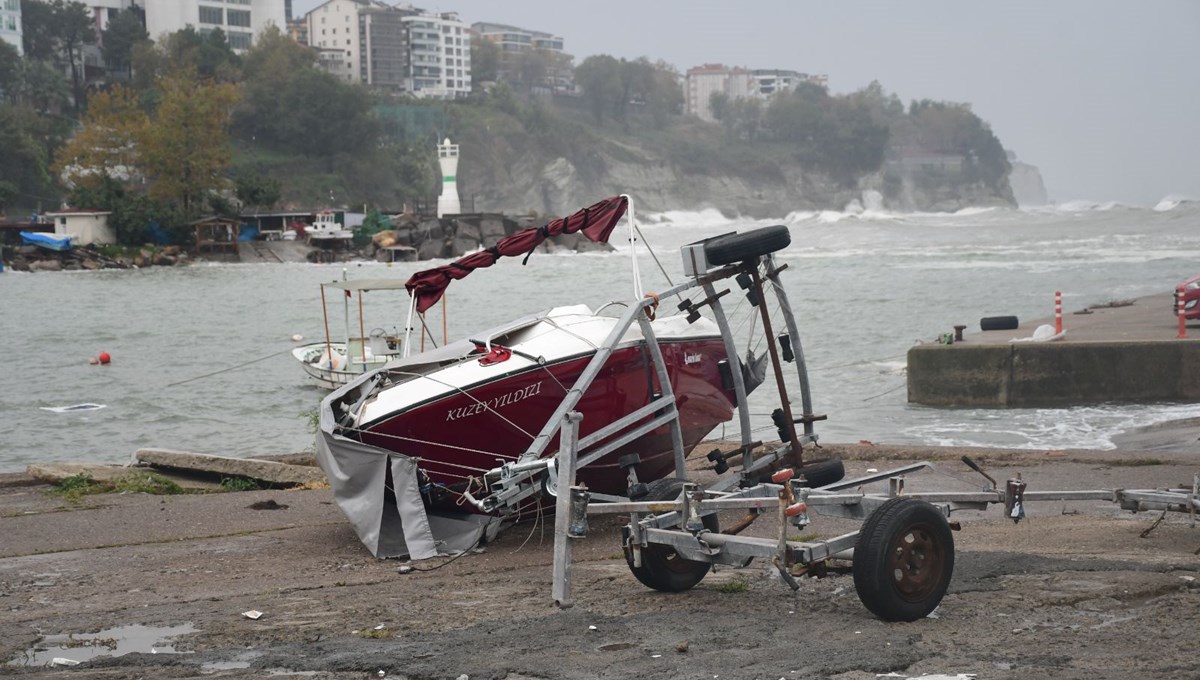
(595, 221)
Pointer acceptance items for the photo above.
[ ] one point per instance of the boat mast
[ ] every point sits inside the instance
(346, 313)
(412, 306)
(637, 278)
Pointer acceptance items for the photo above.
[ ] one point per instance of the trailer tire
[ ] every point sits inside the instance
(998, 323)
(663, 569)
(903, 560)
(817, 472)
(747, 245)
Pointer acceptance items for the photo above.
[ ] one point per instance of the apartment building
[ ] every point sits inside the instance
(513, 41)
(241, 20)
(702, 82)
(10, 24)
(439, 46)
(333, 29)
(739, 83)
(396, 49)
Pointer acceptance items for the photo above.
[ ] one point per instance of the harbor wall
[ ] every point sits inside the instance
(1053, 374)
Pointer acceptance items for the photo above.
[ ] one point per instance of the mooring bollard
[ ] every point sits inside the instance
(1058, 312)
(1179, 310)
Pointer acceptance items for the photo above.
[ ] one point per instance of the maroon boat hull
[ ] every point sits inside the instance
(464, 434)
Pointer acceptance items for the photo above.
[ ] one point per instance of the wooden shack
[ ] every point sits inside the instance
(217, 235)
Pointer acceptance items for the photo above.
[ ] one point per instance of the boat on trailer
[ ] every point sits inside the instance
(467, 431)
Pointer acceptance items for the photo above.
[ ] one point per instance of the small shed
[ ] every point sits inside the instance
(217, 235)
(85, 227)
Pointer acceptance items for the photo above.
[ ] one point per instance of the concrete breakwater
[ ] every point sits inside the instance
(1124, 354)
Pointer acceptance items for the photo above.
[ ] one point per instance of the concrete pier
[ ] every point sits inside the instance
(1126, 354)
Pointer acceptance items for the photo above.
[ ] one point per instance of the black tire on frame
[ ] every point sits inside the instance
(663, 569)
(747, 245)
(903, 560)
(817, 472)
(998, 323)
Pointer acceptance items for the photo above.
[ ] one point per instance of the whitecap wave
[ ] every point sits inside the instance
(1171, 202)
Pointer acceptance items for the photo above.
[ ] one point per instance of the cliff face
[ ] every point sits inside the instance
(557, 184)
(1027, 185)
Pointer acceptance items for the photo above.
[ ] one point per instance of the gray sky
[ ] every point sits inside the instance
(1102, 96)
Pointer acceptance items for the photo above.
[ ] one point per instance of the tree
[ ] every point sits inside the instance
(73, 28)
(187, 51)
(599, 77)
(43, 87)
(37, 30)
(187, 143)
(8, 191)
(23, 162)
(12, 76)
(257, 190)
(485, 61)
(107, 147)
(124, 31)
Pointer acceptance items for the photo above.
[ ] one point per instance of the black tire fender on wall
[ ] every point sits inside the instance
(998, 323)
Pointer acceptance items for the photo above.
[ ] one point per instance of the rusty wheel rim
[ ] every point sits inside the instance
(915, 562)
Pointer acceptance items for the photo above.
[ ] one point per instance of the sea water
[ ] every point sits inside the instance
(200, 354)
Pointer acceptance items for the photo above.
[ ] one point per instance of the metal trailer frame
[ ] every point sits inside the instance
(677, 525)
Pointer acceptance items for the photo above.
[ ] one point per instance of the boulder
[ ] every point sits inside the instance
(45, 266)
(430, 249)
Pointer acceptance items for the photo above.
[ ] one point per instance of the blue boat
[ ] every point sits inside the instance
(47, 241)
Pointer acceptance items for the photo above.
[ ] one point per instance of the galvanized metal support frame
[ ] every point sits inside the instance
(567, 453)
(513, 482)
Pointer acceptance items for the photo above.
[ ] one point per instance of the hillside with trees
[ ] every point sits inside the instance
(185, 127)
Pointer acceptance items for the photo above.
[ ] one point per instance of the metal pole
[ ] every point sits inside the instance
(362, 334)
(797, 345)
(789, 426)
(325, 314)
(664, 386)
(735, 366)
(567, 451)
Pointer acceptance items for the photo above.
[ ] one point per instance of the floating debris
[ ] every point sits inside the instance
(73, 408)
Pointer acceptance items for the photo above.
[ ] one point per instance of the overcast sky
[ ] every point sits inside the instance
(1102, 96)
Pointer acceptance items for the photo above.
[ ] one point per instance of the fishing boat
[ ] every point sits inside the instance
(331, 363)
(468, 430)
(326, 228)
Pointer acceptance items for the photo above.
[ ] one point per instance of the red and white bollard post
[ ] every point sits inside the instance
(1179, 310)
(1058, 312)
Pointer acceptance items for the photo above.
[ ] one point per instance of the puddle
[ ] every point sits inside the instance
(117, 641)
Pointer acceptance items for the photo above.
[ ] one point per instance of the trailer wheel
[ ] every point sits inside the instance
(663, 569)
(903, 560)
(738, 247)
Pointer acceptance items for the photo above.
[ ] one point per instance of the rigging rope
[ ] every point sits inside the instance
(231, 368)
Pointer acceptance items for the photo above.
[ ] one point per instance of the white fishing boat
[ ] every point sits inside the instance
(331, 363)
(325, 227)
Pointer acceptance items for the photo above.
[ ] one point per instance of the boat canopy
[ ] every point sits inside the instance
(47, 241)
(596, 222)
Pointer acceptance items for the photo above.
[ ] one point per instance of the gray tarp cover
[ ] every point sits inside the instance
(358, 474)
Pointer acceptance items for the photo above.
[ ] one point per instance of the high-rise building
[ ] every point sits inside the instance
(439, 47)
(397, 49)
(10, 24)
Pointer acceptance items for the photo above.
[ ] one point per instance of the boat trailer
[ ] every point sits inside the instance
(902, 557)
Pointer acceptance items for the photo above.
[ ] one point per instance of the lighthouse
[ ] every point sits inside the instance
(448, 203)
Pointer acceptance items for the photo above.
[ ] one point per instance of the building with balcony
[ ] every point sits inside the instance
(439, 48)
(383, 48)
(333, 27)
(513, 41)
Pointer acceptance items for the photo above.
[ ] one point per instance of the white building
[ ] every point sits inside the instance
(85, 227)
(332, 28)
(738, 83)
(439, 48)
(703, 82)
(10, 24)
(399, 49)
(241, 20)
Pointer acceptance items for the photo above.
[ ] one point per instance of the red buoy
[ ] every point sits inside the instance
(104, 357)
